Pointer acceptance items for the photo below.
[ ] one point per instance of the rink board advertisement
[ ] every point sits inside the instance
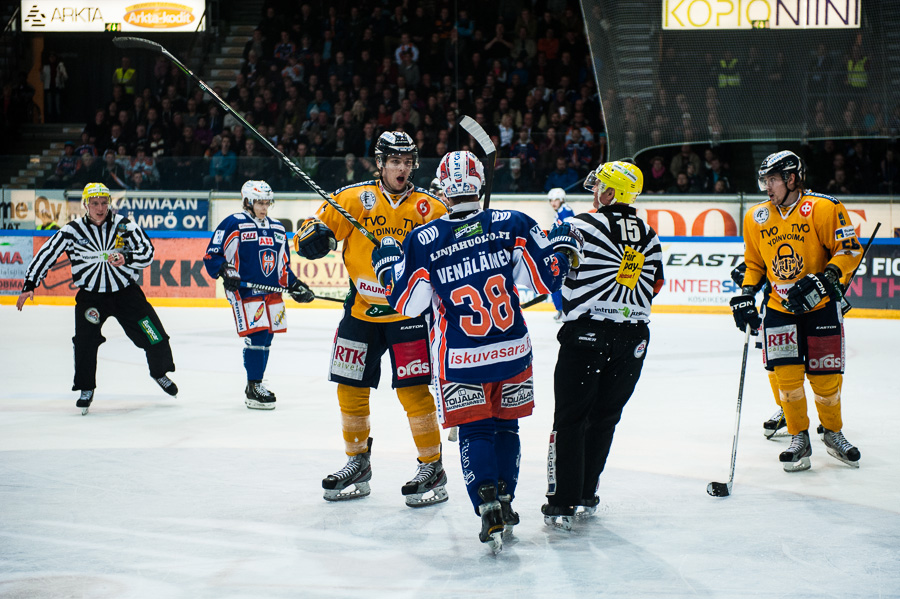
(15, 255)
(698, 273)
(54, 16)
(166, 213)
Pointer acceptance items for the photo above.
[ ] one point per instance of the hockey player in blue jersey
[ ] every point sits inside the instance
(251, 247)
(557, 199)
(465, 265)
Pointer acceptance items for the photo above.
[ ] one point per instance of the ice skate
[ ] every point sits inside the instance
(820, 430)
(491, 518)
(167, 385)
(840, 448)
(796, 457)
(557, 516)
(510, 518)
(587, 507)
(773, 425)
(84, 402)
(357, 473)
(430, 480)
(258, 397)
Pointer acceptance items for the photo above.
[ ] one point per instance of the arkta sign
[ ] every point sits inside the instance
(112, 15)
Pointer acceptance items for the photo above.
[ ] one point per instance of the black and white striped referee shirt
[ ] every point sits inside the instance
(622, 270)
(88, 246)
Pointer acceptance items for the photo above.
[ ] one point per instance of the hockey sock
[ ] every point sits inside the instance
(827, 393)
(793, 397)
(773, 382)
(420, 409)
(478, 456)
(507, 448)
(256, 354)
(354, 402)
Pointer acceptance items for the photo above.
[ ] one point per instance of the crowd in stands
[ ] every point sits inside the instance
(322, 80)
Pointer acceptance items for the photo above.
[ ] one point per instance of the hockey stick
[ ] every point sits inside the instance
(724, 489)
(845, 304)
(144, 44)
(276, 289)
(490, 153)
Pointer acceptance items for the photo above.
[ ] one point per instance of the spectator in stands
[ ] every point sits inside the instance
(840, 184)
(889, 174)
(564, 176)
(187, 159)
(90, 170)
(112, 174)
(251, 165)
(577, 153)
(657, 178)
(86, 146)
(143, 172)
(222, 167)
(283, 50)
(549, 45)
(66, 168)
(682, 185)
(54, 77)
(714, 174)
(682, 159)
(498, 48)
(126, 77)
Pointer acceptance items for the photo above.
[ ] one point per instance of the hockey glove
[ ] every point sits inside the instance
(743, 308)
(809, 291)
(314, 240)
(231, 279)
(567, 239)
(384, 257)
(737, 274)
(300, 292)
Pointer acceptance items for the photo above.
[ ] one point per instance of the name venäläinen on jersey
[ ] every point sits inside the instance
(473, 264)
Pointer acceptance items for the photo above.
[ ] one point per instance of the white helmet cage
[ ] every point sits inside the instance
(557, 193)
(460, 174)
(256, 190)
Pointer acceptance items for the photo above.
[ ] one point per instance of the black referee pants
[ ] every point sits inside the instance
(139, 321)
(598, 367)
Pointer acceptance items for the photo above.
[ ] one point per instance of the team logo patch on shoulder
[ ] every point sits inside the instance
(844, 233)
(92, 315)
(806, 208)
(761, 215)
(218, 237)
(367, 198)
(423, 207)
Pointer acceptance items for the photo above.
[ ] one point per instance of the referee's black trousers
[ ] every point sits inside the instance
(598, 367)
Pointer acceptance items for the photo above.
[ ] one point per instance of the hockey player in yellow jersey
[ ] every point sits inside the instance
(390, 206)
(804, 243)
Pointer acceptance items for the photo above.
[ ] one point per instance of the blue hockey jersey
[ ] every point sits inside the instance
(467, 270)
(256, 248)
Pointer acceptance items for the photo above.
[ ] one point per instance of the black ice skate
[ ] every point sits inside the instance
(167, 385)
(510, 518)
(491, 518)
(258, 397)
(84, 402)
(820, 430)
(840, 448)
(357, 472)
(773, 425)
(796, 457)
(587, 507)
(429, 480)
(558, 516)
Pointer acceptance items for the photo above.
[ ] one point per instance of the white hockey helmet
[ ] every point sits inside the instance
(557, 193)
(460, 174)
(256, 190)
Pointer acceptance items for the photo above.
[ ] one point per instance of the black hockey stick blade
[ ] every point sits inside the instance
(138, 43)
(719, 489)
(533, 302)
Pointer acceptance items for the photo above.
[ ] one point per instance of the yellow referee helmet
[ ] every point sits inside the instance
(624, 177)
(93, 190)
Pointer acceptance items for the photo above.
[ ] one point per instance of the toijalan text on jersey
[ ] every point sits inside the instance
(469, 266)
(467, 243)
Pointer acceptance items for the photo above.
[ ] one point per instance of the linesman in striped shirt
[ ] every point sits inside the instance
(603, 340)
(107, 252)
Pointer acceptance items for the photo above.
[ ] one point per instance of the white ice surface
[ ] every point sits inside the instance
(149, 496)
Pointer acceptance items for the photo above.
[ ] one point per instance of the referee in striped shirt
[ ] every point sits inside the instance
(107, 253)
(603, 340)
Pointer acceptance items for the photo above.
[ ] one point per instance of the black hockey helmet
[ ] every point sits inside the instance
(784, 162)
(395, 143)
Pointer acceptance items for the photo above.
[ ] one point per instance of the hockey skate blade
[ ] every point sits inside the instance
(84, 411)
(258, 405)
(768, 434)
(841, 458)
(565, 523)
(719, 489)
(360, 490)
(798, 466)
(495, 542)
(437, 495)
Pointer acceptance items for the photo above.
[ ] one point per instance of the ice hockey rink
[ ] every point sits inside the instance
(149, 496)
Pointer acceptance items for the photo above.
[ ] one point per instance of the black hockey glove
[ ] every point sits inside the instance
(567, 239)
(743, 308)
(737, 274)
(231, 279)
(314, 240)
(384, 257)
(809, 291)
(300, 292)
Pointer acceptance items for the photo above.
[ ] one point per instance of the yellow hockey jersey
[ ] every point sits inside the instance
(383, 215)
(784, 245)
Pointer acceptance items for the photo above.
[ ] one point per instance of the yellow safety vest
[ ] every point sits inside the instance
(126, 79)
(731, 77)
(856, 72)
